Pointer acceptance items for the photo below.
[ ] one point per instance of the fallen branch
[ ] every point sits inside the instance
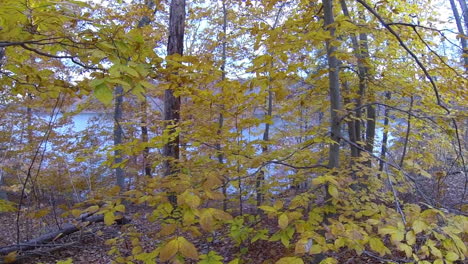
(55, 235)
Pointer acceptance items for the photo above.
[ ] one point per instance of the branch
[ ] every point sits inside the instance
(55, 235)
(72, 58)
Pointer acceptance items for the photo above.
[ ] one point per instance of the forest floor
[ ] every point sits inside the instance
(88, 246)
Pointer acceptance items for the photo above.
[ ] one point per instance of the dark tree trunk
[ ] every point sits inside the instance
(144, 138)
(175, 45)
(351, 124)
(144, 118)
(221, 117)
(383, 152)
(334, 89)
(361, 48)
(118, 134)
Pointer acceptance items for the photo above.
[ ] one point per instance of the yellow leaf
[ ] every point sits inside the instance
(221, 215)
(76, 213)
(410, 238)
(206, 220)
(169, 250)
(120, 208)
(438, 261)
(187, 249)
(92, 209)
(41, 213)
(267, 208)
(168, 229)
(407, 249)
(283, 221)
(109, 218)
(278, 205)
(67, 261)
(329, 261)
(418, 226)
(290, 260)
(234, 261)
(11, 257)
(332, 190)
(451, 256)
(303, 246)
(378, 246)
(315, 249)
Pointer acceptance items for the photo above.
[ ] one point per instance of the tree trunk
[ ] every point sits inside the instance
(334, 87)
(175, 45)
(351, 124)
(118, 133)
(144, 137)
(221, 117)
(361, 48)
(144, 118)
(464, 9)
(383, 151)
(461, 30)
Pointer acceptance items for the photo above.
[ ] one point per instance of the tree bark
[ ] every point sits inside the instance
(383, 152)
(144, 118)
(361, 51)
(144, 137)
(118, 134)
(221, 117)
(351, 126)
(175, 45)
(334, 87)
(461, 30)
(464, 9)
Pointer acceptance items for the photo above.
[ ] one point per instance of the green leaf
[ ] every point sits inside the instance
(103, 94)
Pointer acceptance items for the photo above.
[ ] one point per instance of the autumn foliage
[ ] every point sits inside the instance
(235, 131)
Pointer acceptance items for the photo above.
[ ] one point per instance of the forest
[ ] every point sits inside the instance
(233, 131)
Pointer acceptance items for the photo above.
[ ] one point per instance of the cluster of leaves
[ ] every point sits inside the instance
(65, 55)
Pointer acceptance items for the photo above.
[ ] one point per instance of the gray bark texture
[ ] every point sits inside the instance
(334, 88)
(175, 45)
(460, 29)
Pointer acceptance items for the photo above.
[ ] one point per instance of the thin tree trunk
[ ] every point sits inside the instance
(144, 118)
(461, 30)
(350, 123)
(383, 151)
(3, 195)
(118, 133)
(144, 137)
(361, 52)
(408, 131)
(175, 45)
(464, 9)
(221, 117)
(334, 83)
